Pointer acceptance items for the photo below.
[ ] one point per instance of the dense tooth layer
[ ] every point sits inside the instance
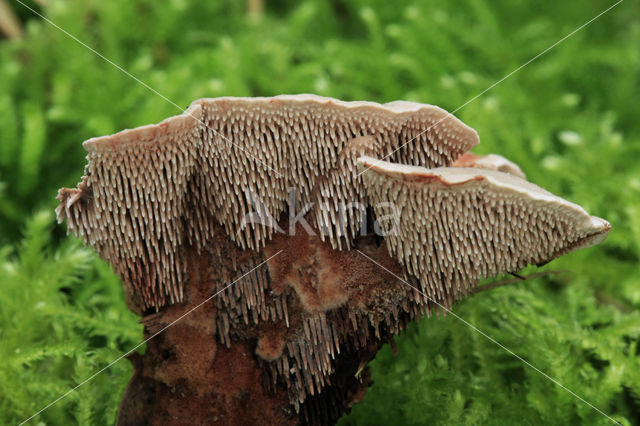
(456, 226)
(259, 149)
(339, 196)
(149, 190)
(131, 204)
(312, 308)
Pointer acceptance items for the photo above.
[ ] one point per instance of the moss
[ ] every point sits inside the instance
(569, 119)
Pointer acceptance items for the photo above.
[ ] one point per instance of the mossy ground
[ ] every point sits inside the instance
(569, 119)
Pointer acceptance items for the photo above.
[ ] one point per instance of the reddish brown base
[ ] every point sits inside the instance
(235, 397)
(297, 355)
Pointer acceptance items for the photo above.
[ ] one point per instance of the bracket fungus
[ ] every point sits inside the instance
(262, 203)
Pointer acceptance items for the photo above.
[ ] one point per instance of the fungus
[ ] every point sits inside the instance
(259, 202)
(491, 161)
(459, 225)
(151, 190)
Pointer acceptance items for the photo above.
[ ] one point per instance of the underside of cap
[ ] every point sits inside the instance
(150, 190)
(456, 226)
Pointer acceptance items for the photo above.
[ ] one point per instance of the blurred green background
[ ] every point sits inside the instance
(570, 119)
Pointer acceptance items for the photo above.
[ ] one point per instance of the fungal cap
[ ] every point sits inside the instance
(590, 229)
(445, 125)
(150, 190)
(150, 133)
(491, 161)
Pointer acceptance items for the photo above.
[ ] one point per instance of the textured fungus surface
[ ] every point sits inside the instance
(459, 225)
(151, 190)
(260, 203)
(491, 161)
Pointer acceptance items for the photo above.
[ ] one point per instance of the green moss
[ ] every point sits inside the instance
(569, 119)
(62, 318)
